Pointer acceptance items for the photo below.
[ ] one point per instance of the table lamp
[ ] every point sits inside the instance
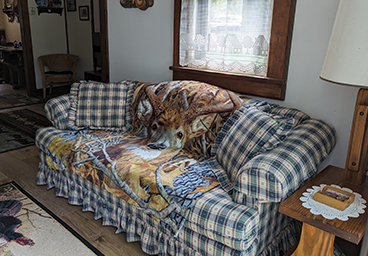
(346, 63)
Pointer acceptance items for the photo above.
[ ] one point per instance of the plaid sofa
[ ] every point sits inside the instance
(259, 155)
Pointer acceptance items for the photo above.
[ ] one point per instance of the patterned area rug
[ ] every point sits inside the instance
(18, 128)
(16, 100)
(28, 228)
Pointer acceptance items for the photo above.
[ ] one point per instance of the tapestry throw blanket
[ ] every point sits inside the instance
(18, 128)
(27, 228)
(160, 166)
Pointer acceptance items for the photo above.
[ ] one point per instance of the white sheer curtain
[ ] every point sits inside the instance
(226, 35)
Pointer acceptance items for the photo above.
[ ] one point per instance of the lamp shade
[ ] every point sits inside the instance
(346, 60)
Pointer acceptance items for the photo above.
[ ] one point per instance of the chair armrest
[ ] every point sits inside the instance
(274, 175)
(56, 110)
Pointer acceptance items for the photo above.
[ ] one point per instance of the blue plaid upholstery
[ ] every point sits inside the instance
(254, 132)
(296, 114)
(221, 174)
(101, 106)
(244, 222)
(272, 176)
(57, 110)
(155, 238)
(226, 128)
(45, 135)
(273, 109)
(216, 216)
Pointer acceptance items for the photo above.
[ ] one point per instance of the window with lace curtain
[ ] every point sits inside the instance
(226, 35)
(243, 45)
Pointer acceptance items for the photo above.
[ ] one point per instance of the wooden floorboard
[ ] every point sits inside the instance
(21, 166)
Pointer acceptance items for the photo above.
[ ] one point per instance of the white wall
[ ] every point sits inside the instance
(305, 90)
(80, 39)
(141, 49)
(49, 37)
(141, 42)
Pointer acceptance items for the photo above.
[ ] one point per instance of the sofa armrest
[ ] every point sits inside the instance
(56, 110)
(274, 175)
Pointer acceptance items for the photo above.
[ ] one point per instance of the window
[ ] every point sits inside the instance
(227, 43)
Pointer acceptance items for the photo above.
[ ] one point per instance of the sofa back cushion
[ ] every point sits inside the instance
(104, 106)
(252, 133)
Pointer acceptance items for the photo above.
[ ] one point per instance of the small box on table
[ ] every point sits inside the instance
(334, 197)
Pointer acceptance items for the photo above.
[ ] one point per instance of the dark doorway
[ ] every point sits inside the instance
(28, 57)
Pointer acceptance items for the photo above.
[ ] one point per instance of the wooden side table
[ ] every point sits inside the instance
(318, 233)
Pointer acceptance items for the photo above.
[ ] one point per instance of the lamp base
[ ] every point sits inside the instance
(356, 161)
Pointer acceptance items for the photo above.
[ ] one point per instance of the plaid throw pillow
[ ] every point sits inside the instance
(253, 133)
(101, 106)
(262, 106)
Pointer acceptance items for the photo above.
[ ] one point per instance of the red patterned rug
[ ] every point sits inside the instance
(29, 228)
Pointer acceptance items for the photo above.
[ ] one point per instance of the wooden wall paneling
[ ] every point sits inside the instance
(105, 72)
(28, 60)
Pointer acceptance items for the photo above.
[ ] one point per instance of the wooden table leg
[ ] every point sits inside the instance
(314, 242)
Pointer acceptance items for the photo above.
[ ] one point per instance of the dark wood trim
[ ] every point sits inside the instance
(177, 10)
(105, 69)
(280, 40)
(271, 87)
(274, 85)
(28, 60)
(66, 28)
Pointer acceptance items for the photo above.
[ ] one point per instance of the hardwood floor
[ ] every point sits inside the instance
(21, 166)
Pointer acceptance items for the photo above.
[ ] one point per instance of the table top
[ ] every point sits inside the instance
(11, 48)
(351, 230)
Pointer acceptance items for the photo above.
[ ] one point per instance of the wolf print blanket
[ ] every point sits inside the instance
(160, 165)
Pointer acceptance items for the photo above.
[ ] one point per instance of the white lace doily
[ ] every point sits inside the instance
(328, 212)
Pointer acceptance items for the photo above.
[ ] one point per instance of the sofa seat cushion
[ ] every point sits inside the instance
(216, 216)
(101, 106)
(165, 183)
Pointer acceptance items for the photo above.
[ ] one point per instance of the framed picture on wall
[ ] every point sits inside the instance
(84, 12)
(71, 5)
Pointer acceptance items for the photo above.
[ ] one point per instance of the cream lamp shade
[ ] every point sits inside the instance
(346, 63)
(346, 60)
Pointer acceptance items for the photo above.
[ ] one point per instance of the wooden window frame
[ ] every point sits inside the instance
(274, 84)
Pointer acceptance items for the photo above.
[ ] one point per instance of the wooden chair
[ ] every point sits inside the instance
(57, 69)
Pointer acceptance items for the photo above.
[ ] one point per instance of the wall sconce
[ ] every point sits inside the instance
(141, 4)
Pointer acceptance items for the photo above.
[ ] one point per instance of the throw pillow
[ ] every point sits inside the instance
(254, 132)
(104, 106)
(296, 114)
(262, 106)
